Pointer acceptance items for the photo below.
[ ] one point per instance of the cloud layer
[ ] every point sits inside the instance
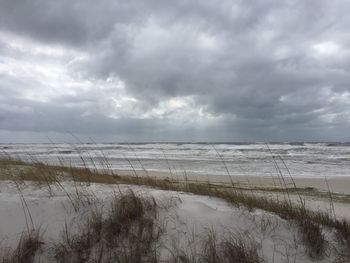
(176, 70)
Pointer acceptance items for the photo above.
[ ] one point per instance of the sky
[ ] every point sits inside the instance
(161, 70)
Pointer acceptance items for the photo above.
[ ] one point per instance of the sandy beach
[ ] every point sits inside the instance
(339, 184)
(187, 220)
(264, 218)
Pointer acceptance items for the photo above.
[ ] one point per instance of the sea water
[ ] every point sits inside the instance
(202, 159)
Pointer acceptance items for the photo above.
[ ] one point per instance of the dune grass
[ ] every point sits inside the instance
(309, 222)
(28, 245)
(127, 232)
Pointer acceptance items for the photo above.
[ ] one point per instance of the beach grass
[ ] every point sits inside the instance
(130, 207)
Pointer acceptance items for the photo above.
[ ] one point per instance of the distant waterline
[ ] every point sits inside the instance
(203, 159)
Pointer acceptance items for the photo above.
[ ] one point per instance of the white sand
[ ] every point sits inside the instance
(187, 218)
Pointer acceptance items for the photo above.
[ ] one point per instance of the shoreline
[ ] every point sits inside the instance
(337, 184)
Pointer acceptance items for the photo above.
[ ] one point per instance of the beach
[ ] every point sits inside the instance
(273, 218)
(340, 184)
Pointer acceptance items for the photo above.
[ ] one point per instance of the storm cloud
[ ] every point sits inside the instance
(175, 70)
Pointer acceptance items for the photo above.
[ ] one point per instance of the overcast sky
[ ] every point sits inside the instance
(161, 70)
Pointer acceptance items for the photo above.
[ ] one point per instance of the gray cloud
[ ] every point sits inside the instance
(216, 70)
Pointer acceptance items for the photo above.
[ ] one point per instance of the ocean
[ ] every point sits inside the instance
(202, 159)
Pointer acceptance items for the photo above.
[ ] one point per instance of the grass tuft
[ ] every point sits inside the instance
(26, 249)
(234, 249)
(313, 238)
(126, 233)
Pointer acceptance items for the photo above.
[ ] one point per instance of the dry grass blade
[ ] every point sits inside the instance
(26, 249)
